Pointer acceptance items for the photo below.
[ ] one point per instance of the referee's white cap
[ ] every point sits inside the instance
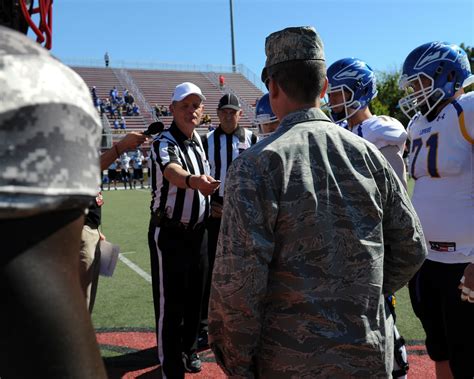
(185, 89)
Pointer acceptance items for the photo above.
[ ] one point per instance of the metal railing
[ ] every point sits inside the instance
(167, 66)
(106, 142)
(248, 109)
(127, 81)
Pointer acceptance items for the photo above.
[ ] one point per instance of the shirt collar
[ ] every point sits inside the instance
(303, 115)
(180, 137)
(238, 131)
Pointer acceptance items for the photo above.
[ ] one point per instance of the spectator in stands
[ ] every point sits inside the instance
(112, 111)
(206, 119)
(113, 95)
(106, 59)
(107, 104)
(128, 109)
(164, 110)
(94, 92)
(101, 108)
(131, 98)
(157, 110)
(116, 124)
(125, 94)
(135, 110)
(221, 81)
(123, 124)
(119, 111)
(98, 105)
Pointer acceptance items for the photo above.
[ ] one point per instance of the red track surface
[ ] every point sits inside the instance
(421, 367)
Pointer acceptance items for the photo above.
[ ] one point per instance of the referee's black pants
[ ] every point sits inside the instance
(178, 271)
(213, 226)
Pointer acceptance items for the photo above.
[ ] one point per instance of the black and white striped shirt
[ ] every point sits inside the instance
(188, 206)
(222, 149)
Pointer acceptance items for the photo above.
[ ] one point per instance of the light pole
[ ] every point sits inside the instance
(232, 34)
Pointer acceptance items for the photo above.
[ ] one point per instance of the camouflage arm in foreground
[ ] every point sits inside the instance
(405, 246)
(241, 268)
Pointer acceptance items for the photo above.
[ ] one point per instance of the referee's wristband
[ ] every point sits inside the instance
(187, 181)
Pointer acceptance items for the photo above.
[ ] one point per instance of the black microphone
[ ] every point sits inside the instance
(154, 128)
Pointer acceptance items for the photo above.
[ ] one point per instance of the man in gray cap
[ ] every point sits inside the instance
(316, 230)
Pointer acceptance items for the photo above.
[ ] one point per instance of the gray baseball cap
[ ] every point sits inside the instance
(292, 44)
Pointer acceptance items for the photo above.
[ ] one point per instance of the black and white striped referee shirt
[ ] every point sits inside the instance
(188, 206)
(222, 149)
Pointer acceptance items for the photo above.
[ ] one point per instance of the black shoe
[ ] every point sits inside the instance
(191, 362)
(203, 342)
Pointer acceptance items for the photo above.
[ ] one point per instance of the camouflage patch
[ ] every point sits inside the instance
(49, 128)
(295, 43)
(302, 266)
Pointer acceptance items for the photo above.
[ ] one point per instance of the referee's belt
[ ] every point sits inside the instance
(159, 220)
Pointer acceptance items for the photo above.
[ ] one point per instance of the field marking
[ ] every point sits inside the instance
(125, 253)
(135, 268)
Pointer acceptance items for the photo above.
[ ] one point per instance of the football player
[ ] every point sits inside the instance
(265, 119)
(49, 152)
(441, 160)
(352, 86)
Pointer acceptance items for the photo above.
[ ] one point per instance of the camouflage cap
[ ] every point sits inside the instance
(290, 44)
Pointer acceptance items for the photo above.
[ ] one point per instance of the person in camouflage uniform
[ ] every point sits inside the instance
(50, 135)
(316, 230)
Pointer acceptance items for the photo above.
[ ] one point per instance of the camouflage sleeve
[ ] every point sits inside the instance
(243, 256)
(405, 246)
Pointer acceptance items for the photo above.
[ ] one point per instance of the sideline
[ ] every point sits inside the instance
(135, 268)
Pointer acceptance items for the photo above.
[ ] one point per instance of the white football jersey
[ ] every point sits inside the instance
(381, 131)
(441, 161)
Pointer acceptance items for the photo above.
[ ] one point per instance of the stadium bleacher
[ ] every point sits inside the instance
(104, 80)
(156, 86)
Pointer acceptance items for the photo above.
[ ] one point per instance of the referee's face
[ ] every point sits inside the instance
(187, 112)
(229, 119)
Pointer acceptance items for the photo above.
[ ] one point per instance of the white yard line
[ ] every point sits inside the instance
(135, 268)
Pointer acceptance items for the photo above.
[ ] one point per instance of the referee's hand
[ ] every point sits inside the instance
(206, 184)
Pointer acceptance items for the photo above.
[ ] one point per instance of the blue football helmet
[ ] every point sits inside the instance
(432, 73)
(355, 82)
(264, 116)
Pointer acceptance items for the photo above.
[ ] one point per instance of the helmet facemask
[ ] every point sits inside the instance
(422, 96)
(343, 109)
(266, 124)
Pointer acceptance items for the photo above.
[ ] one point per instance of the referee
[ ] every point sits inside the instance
(181, 186)
(222, 146)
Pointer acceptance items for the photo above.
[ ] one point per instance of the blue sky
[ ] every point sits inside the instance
(381, 32)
